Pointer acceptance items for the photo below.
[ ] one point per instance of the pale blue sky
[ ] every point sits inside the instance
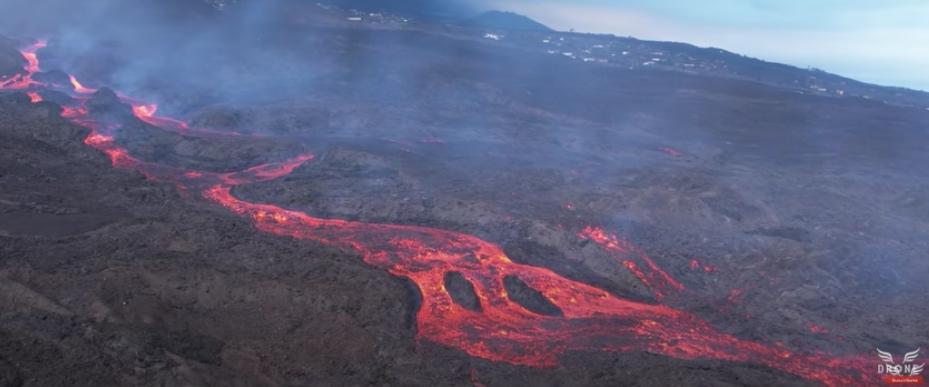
(879, 41)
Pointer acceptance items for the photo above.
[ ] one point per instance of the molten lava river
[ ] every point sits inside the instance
(500, 330)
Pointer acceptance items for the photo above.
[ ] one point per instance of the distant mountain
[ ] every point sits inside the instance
(505, 21)
(437, 10)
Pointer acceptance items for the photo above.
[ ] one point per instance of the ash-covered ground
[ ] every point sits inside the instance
(792, 220)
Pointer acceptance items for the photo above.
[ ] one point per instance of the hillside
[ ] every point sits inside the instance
(497, 20)
(286, 193)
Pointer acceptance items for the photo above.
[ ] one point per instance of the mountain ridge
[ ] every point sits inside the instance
(504, 20)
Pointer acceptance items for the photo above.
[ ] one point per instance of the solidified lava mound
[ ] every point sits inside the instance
(10, 60)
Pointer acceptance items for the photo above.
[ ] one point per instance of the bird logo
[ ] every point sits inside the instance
(906, 368)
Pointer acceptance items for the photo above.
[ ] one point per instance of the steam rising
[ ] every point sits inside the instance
(301, 67)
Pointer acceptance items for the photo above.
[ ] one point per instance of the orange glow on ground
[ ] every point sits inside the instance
(24, 81)
(501, 330)
(79, 88)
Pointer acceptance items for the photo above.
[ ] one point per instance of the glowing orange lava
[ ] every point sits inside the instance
(24, 81)
(73, 112)
(501, 329)
(79, 88)
(657, 280)
(146, 113)
(143, 112)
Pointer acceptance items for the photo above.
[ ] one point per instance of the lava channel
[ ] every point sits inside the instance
(500, 329)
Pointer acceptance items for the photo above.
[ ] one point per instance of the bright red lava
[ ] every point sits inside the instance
(501, 330)
(23, 81)
(146, 113)
(657, 280)
(34, 97)
(79, 88)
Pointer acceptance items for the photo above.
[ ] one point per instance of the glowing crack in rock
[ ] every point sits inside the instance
(630, 256)
(500, 330)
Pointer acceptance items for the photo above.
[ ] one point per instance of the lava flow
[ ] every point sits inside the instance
(24, 81)
(146, 113)
(656, 280)
(78, 87)
(500, 329)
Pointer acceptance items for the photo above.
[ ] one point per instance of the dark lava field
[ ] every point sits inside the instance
(328, 199)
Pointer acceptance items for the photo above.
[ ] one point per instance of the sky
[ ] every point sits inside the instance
(878, 41)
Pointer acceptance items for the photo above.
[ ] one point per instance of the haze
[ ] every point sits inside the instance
(879, 42)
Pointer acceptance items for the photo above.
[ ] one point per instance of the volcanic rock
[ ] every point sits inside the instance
(106, 103)
(461, 291)
(9, 376)
(11, 61)
(54, 77)
(528, 297)
(55, 96)
(272, 119)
